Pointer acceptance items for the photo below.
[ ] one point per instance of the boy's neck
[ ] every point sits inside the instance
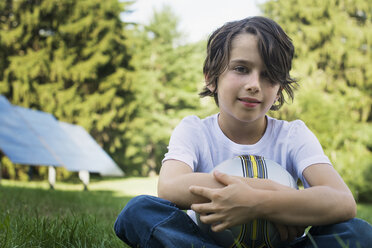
(243, 133)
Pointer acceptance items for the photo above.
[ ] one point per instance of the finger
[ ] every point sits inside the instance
(203, 208)
(283, 231)
(201, 191)
(219, 226)
(211, 218)
(224, 178)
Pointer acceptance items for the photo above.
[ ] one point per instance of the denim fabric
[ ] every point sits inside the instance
(148, 221)
(352, 234)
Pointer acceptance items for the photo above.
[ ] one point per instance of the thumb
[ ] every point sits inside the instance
(223, 178)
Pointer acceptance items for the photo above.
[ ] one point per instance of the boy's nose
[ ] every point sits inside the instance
(253, 83)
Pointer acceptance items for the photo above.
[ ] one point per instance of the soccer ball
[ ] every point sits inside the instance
(257, 233)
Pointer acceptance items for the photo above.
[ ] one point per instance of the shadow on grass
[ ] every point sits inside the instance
(31, 217)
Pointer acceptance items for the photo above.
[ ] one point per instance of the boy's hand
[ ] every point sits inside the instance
(289, 233)
(235, 204)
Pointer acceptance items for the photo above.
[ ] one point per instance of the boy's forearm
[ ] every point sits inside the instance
(177, 190)
(266, 184)
(317, 205)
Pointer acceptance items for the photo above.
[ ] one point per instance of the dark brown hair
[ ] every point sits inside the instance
(275, 48)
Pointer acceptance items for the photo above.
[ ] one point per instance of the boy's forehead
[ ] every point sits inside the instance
(244, 39)
(243, 45)
(244, 49)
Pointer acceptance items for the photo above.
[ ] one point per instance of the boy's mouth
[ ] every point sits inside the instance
(249, 100)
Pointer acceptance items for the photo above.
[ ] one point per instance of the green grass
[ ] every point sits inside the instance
(365, 211)
(31, 215)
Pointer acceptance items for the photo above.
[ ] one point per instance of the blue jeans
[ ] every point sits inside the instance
(148, 221)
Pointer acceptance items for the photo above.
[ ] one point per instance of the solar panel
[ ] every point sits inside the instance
(37, 138)
(90, 151)
(54, 137)
(19, 142)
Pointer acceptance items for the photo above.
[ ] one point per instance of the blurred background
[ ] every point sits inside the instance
(128, 72)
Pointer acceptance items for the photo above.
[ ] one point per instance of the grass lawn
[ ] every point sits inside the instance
(31, 215)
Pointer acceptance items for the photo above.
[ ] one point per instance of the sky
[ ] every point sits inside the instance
(198, 18)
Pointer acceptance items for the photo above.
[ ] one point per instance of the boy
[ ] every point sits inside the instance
(246, 70)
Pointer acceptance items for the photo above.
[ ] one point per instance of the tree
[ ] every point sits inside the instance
(69, 58)
(333, 61)
(166, 80)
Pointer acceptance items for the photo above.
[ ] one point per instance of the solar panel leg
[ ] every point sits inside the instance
(52, 176)
(30, 173)
(84, 177)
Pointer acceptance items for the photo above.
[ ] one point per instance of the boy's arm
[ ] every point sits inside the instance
(176, 177)
(328, 200)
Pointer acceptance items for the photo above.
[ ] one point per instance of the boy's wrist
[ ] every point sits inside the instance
(264, 206)
(264, 184)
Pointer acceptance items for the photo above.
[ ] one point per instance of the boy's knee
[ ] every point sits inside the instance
(355, 232)
(132, 211)
(140, 214)
(355, 226)
(128, 216)
(362, 229)
(138, 203)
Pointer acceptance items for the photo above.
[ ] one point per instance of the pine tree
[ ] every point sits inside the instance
(69, 58)
(166, 80)
(333, 61)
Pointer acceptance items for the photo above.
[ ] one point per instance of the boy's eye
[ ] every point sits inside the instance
(241, 69)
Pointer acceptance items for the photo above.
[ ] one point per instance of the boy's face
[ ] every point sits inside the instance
(245, 93)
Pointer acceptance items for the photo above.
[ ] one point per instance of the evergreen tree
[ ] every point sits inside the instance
(166, 80)
(69, 58)
(333, 61)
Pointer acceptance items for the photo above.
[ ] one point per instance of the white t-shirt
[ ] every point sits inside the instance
(202, 145)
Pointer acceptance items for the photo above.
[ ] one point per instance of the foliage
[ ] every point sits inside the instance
(130, 85)
(69, 58)
(165, 83)
(333, 61)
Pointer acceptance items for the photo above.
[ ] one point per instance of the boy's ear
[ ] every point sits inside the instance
(211, 86)
(278, 94)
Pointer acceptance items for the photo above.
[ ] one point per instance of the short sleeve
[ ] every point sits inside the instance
(305, 149)
(183, 144)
